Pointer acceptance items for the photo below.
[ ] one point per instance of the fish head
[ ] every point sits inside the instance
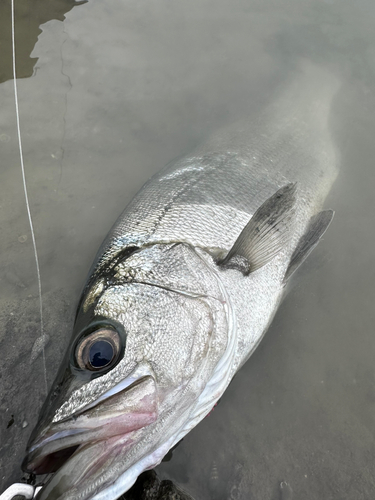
(150, 329)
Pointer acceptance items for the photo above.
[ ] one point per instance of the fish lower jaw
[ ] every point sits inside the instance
(42, 461)
(124, 482)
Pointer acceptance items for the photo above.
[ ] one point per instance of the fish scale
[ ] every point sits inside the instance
(183, 289)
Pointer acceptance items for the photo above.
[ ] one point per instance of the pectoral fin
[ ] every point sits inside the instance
(265, 235)
(317, 227)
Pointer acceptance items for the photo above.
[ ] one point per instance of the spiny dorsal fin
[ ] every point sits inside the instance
(265, 235)
(317, 227)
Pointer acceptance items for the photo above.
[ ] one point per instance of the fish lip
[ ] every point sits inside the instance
(141, 371)
(55, 436)
(73, 439)
(125, 385)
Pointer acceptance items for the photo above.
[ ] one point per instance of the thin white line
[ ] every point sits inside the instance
(26, 196)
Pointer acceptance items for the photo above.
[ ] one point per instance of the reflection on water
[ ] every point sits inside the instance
(29, 16)
(121, 89)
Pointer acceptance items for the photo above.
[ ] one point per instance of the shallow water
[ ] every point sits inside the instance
(119, 89)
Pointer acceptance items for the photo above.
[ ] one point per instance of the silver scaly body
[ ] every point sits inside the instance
(189, 322)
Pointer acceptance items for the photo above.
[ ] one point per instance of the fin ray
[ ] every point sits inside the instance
(309, 240)
(265, 235)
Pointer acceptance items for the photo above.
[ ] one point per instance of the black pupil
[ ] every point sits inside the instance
(101, 354)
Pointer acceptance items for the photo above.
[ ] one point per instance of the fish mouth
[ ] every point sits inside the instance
(109, 422)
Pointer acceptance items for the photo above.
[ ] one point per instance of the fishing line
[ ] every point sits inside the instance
(26, 195)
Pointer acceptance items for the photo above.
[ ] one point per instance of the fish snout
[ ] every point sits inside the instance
(115, 418)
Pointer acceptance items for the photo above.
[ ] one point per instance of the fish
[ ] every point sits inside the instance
(183, 289)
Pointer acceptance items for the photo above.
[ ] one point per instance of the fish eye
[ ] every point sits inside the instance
(98, 350)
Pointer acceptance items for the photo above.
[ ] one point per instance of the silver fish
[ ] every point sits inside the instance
(182, 290)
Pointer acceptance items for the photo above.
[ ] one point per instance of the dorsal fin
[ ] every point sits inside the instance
(308, 241)
(265, 235)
